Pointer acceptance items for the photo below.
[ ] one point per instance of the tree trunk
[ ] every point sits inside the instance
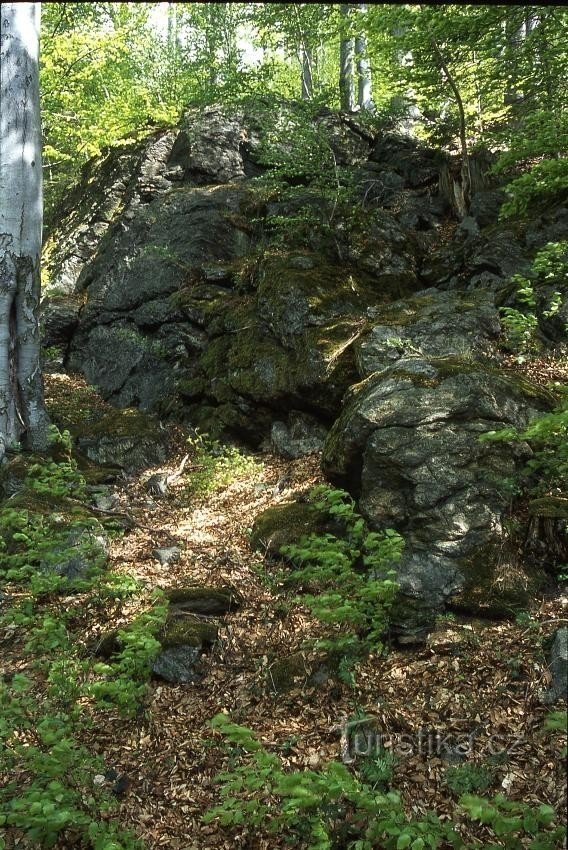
(364, 98)
(463, 196)
(346, 55)
(22, 411)
(307, 78)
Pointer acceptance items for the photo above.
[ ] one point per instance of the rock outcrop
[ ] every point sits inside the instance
(180, 284)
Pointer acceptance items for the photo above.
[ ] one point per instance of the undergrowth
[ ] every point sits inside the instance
(336, 809)
(217, 465)
(47, 789)
(346, 579)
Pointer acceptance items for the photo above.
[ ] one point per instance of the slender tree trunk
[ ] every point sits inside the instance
(514, 36)
(22, 410)
(173, 46)
(307, 77)
(463, 202)
(364, 97)
(346, 56)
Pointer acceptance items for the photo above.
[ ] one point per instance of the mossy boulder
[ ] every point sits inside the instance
(282, 525)
(129, 439)
(210, 601)
(181, 629)
(299, 669)
(551, 507)
(183, 639)
(433, 323)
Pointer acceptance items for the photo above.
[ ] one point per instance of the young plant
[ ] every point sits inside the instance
(347, 579)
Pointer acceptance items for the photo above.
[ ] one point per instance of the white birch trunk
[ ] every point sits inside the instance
(22, 410)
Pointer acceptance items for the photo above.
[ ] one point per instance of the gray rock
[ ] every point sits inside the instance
(117, 183)
(558, 664)
(106, 501)
(301, 435)
(183, 638)
(166, 556)
(485, 206)
(417, 164)
(409, 439)
(178, 664)
(209, 601)
(430, 323)
(59, 316)
(128, 439)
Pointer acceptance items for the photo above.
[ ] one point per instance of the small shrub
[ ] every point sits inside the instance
(377, 770)
(333, 809)
(468, 779)
(347, 581)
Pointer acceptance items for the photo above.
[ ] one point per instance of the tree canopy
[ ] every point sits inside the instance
(460, 75)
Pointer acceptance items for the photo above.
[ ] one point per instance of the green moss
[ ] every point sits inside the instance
(126, 422)
(282, 672)
(553, 507)
(283, 525)
(496, 586)
(408, 313)
(204, 600)
(187, 630)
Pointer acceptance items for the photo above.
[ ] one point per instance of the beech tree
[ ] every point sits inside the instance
(22, 411)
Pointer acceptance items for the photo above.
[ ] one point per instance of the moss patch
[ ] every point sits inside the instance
(204, 600)
(553, 507)
(285, 524)
(187, 630)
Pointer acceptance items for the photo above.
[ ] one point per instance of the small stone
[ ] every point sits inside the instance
(99, 779)
(167, 556)
(106, 501)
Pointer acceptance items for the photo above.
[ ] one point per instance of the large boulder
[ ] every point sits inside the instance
(408, 441)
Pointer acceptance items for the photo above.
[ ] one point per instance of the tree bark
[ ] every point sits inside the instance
(364, 97)
(346, 55)
(307, 78)
(462, 202)
(22, 410)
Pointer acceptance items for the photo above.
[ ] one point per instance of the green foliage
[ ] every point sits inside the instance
(57, 478)
(218, 465)
(511, 820)
(50, 791)
(557, 721)
(549, 268)
(123, 682)
(377, 770)
(347, 580)
(468, 779)
(332, 808)
(547, 469)
(545, 183)
(38, 742)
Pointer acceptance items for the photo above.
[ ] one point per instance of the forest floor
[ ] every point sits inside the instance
(476, 685)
